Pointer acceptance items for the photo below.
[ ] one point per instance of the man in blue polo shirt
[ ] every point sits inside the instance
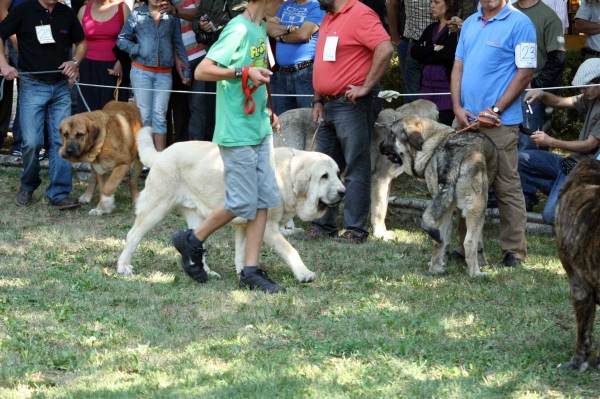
(496, 55)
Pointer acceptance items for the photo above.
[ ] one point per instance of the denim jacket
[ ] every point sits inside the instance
(152, 40)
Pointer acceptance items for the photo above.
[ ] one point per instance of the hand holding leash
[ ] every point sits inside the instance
(489, 119)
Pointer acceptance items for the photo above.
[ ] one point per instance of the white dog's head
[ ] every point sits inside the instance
(316, 184)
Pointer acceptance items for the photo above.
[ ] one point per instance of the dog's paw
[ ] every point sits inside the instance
(580, 367)
(435, 268)
(212, 273)
(85, 199)
(97, 212)
(479, 274)
(125, 270)
(384, 235)
(108, 203)
(306, 277)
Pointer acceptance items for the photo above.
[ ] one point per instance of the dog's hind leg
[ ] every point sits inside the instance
(193, 219)
(149, 214)
(475, 220)
(134, 178)
(380, 192)
(240, 247)
(583, 299)
(288, 253)
(87, 196)
(436, 266)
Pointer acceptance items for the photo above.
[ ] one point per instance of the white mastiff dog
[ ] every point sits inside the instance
(297, 131)
(189, 175)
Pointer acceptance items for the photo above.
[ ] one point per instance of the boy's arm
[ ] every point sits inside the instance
(549, 99)
(209, 71)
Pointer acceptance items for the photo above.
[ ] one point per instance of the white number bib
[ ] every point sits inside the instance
(44, 34)
(526, 55)
(330, 48)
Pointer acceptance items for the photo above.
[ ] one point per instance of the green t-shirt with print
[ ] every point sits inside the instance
(548, 29)
(241, 44)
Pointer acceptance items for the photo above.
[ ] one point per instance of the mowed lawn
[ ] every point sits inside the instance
(373, 324)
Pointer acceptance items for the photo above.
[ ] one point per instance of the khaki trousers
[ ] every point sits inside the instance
(511, 203)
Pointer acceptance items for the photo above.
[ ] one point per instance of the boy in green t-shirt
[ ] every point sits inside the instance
(245, 142)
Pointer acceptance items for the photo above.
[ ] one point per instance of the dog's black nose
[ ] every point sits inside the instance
(69, 151)
(342, 193)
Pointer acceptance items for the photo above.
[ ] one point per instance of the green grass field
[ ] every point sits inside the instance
(373, 324)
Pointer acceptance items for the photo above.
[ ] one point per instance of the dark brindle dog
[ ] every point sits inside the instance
(578, 238)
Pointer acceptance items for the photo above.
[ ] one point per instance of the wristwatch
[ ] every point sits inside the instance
(238, 73)
(319, 101)
(496, 110)
(75, 62)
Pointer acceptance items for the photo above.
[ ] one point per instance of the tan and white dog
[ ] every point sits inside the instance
(189, 176)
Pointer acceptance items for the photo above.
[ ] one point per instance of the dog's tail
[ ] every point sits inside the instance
(441, 202)
(146, 149)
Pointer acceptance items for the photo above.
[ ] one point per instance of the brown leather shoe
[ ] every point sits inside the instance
(350, 237)
(24, 198)
(65, 203)
(313, 233)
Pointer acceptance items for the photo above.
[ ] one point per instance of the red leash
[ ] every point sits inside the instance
(249, 103)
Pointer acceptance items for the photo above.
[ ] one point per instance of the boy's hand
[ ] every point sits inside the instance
(259, 76)
(275, 124)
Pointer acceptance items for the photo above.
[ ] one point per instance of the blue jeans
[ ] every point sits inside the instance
(44, 104)
(411, 72)
(533, 121)
(345, 135)
(298, 82)
(152, 104)
(542, 170)
(201, 125)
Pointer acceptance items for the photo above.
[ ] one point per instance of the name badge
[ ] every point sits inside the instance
(526, 55)
(330, 48)
(44, 34)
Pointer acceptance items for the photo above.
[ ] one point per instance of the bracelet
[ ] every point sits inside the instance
(239, 72)
(281, 38)
(75, 62)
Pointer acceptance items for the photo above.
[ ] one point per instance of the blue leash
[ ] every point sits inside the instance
(41, 73)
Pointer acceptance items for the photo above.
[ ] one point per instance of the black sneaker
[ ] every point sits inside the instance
(350, 237)
(260, 281)
(191, 255)
(510, 260)
(24, 198)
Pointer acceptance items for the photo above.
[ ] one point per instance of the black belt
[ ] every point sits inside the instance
(408, 39)
(299, 66)
(331, 98)
(588, 51)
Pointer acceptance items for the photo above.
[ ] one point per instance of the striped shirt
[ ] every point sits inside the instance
(560, 8)
(193, 49)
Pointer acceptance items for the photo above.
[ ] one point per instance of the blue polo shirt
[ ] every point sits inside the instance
(487, 50)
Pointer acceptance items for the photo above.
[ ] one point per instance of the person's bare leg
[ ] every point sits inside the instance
(160, 141)
(255, 231)
(218, 218)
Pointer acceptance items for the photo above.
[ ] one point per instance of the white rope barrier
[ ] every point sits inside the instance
(310, 95)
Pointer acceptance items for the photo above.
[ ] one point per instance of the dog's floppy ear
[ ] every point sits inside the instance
(300, 177)
(412, 129)
(94, 131)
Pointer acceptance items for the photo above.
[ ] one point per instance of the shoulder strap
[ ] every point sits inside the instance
(121, 16)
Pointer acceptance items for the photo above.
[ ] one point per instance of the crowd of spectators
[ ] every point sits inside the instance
(158, 44)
